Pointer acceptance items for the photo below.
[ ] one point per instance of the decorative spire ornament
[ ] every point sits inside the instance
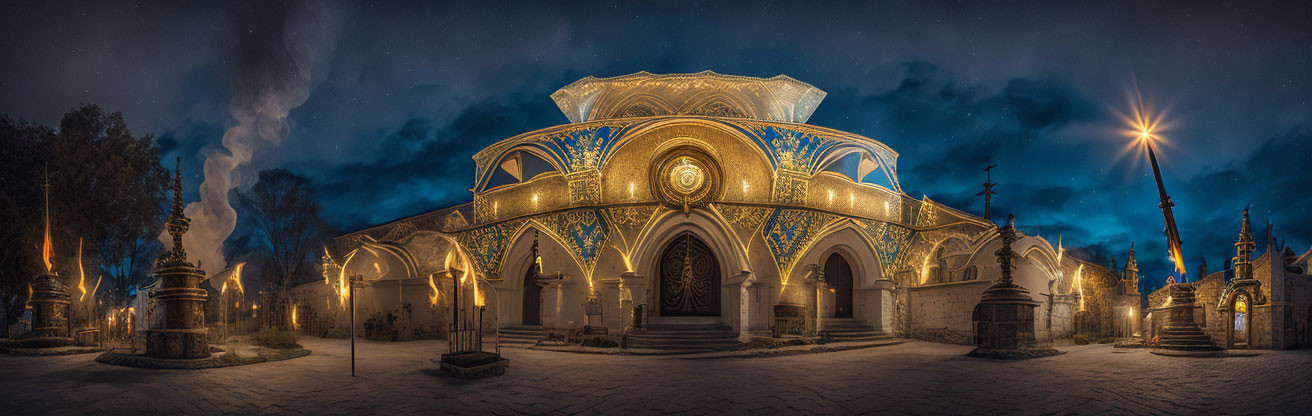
(1005, 254)
(177, 225)
(1244, 250)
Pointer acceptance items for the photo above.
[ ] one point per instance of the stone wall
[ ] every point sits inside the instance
(942, 312)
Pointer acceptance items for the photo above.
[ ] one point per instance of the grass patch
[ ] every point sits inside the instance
(276, 338)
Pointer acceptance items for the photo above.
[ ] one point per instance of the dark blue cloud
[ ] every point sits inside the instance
(412, 91)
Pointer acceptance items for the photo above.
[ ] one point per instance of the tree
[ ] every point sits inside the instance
(107, 188)
(20, 197)
(282, 209)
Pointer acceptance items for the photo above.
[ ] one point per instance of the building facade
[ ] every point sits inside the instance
(1258, 303)
(699, 197)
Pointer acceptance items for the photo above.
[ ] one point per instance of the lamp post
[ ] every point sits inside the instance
(355, 281)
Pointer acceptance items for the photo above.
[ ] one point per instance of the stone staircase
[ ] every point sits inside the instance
(521, 336)
(1186, 338)
(666, 335)
(849, 330)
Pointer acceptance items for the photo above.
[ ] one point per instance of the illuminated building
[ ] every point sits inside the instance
(1259, 303)
(700, 199)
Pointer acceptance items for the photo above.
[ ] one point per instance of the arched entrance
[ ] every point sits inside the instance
(1240, 322)
(689, 278)
(838, 275)
(532, 298)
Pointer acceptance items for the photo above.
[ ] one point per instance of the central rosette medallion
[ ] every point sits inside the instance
(685, 177)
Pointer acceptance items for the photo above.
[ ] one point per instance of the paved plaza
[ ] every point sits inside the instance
(913, 377)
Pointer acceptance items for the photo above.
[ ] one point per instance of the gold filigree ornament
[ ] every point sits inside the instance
(685, 177)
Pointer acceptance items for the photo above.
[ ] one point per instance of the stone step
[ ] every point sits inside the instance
(684, 334)
(688, 327)
(520, 332)
(682, 346)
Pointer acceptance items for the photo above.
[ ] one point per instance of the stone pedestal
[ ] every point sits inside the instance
(881, 317)
(1181, 332)
(636, 287)
(736, 301)
(180, 331)
(49, 304)
(1004, 317)
(552, 297)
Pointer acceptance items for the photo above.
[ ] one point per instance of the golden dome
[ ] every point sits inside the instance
(705, 93)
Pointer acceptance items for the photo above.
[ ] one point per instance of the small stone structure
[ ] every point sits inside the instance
(49, 303)
(1004, 317)
(1181, 332)
(181, 332)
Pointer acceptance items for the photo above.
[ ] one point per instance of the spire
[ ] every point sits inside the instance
(1243, 263)
(1246, 230)
(177, 224)
(1131, 265)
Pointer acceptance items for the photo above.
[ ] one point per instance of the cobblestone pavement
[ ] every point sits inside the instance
(913, 377)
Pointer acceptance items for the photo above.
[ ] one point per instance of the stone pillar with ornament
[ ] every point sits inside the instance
(816, 304)
(181, 332)
(49, 305)
(636, 288)
(49, 299)
(1004, 317)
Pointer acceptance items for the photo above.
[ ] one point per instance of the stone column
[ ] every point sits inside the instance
(815, 281)
(551, 302)
(735, 291)
(636, 287)
(608, 292)
(883, 317)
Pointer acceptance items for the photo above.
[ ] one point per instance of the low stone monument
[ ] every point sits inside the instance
(49, 304)
(181, 332)
(1004, 317)
(1181, 334)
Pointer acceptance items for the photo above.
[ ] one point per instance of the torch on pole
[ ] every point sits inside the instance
(355, 281)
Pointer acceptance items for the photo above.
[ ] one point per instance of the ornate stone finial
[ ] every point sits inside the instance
(1131, 265)
(177, 224)
(1243, 263)
(1005, 253)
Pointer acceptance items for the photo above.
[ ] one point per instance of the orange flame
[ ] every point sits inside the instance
(432, 299)
(1178, 259)
(47, 248)
(236, 277)
(343, 287)
(81, 274)
(28, 304)
(1079, 283)
(296, 326)
(478, 295)
(93, 290)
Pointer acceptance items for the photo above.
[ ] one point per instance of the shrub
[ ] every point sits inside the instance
(276, 338)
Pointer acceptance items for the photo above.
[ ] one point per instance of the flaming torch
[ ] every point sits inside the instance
(1144, 127)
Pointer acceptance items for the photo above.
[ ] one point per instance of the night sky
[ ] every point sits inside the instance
(398, 97)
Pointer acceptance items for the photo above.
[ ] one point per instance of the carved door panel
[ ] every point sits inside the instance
(838, 275)
(532, 299)
(689, 279)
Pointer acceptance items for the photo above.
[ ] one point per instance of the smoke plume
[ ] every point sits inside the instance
(275, 59)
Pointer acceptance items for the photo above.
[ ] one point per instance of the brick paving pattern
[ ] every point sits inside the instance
(913, 377)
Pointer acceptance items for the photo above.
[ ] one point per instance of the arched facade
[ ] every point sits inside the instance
(730, 162)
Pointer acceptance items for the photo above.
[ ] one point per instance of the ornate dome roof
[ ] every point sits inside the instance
(705, 93)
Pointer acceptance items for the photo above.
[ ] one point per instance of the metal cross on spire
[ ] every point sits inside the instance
(988, 187)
